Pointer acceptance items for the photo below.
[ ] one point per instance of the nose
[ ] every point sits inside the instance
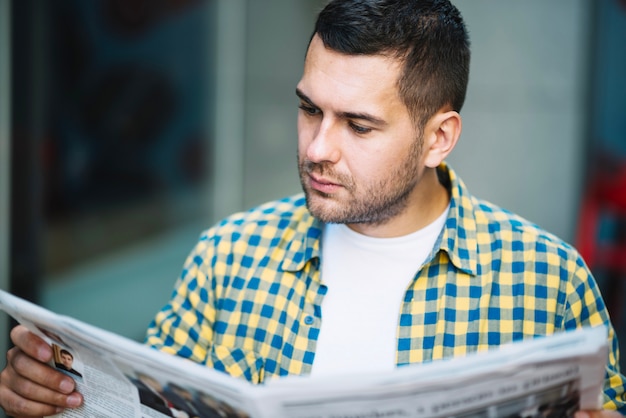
(324, 143)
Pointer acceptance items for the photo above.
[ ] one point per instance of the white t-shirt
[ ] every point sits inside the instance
(366, 279)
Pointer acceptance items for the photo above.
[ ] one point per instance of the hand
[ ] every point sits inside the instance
(598, 414)
(28, 386)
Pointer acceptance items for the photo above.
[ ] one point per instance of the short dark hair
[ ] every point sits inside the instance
(428, 35)
(64, 351)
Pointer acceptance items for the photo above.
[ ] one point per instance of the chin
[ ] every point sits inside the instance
(322, 207)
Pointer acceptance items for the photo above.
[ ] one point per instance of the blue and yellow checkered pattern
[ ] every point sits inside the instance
(248, 301)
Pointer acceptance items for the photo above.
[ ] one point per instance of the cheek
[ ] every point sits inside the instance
(379, 163)
(366, 166)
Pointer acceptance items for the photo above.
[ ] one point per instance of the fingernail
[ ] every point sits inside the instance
(581, 414)
(66, 385)
(73, 400)
(44, 353)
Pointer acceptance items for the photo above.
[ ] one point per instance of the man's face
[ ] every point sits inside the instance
(66, 360)
(359, 154)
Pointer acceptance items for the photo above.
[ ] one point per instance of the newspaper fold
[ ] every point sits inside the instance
(546, 376)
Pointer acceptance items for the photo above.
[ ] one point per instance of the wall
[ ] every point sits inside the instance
(524, 120)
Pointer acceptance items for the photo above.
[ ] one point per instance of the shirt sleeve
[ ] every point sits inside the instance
(184, 326)
(585, 307)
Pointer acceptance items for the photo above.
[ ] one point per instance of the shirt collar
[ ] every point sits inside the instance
(458, 238)
(303, 238)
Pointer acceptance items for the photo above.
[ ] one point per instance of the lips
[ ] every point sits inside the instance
(323, 185)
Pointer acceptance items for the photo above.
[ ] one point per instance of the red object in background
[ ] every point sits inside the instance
(605, 199)
(605, 196)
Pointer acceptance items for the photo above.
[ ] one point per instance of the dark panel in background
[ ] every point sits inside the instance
(111, 114)
(27, 121)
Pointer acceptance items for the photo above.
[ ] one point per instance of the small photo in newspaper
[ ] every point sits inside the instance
(65, 361)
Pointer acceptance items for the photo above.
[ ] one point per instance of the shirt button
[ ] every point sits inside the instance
(309, 320)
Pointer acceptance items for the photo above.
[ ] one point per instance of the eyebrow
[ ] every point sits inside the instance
(345, 115)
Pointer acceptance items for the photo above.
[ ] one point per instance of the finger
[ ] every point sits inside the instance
(25, 373)
(21, 396)
(17, 406)
(31, 344)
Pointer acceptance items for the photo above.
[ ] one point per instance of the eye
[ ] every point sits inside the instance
(361, 130)
(309, 110)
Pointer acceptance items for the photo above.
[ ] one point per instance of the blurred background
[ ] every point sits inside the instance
(129, 126)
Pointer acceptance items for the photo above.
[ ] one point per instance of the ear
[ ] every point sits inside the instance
(441, 134)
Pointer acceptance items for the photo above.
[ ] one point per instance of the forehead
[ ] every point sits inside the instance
(349, 79)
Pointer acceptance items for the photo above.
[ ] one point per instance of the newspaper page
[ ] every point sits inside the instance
(119, 377)
(547, 376)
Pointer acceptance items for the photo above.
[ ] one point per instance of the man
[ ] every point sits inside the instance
(388, 259)
(66, 362)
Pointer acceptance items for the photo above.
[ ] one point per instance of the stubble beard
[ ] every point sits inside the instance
(375, 203)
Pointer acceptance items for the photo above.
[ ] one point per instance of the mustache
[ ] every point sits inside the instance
(321, 169)
(325, 169)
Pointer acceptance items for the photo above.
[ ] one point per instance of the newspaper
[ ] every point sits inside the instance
(546, 376)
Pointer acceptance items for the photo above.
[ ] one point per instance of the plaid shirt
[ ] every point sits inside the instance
(249, 298)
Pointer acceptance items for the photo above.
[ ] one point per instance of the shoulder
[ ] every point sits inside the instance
(493, 231)
(515, 232)
(284, 214)
(287, 209)
(268, 225)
